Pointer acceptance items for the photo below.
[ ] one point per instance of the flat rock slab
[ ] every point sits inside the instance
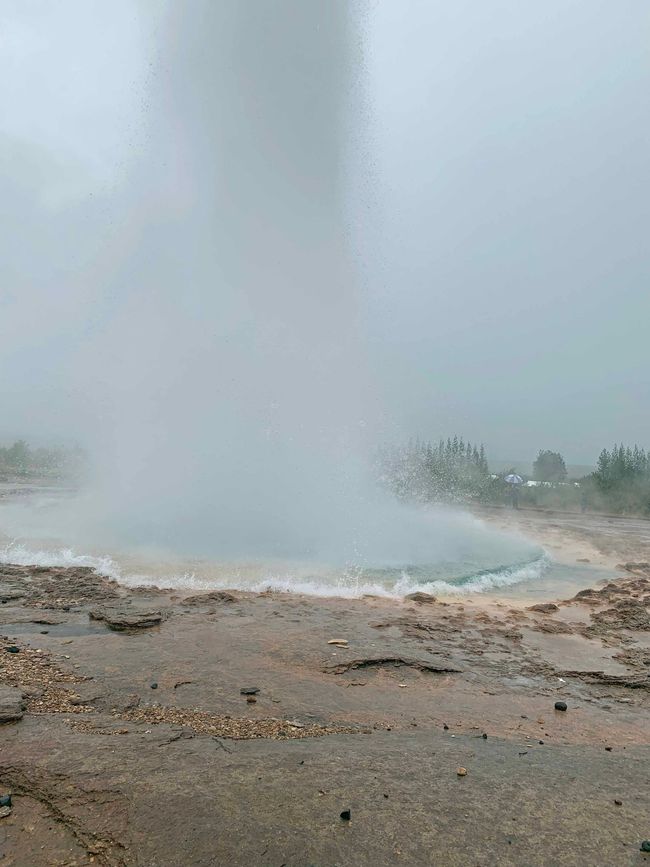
(12, 706)
(397, 661)
(125, 618)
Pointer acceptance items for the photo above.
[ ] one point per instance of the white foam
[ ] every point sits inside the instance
(18, 555)
(351, 583)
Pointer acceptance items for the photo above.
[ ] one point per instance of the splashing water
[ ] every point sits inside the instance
(226, 365)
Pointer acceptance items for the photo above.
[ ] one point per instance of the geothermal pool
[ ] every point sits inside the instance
(44, 526)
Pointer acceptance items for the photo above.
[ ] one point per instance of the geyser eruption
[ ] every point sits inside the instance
(226, 359)
(235, 403)
(239, 401)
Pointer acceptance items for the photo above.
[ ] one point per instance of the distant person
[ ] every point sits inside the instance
(514, 496)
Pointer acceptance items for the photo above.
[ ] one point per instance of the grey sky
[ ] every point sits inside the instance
(512, 150)
(507, 225)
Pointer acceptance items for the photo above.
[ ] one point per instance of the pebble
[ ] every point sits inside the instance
(484, 736)
(560, 705)
(44, 631)
(346, 815)
(249, 690)
(154, 686)
(5, 801)
(645, 846)
(462, 772)
(251, 699)
(4, 812)
(618, 802)
(446, 727)
(13, 649)
(608, 749)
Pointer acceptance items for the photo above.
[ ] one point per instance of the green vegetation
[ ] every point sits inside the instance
(22, 461)
(454, 471)
(621, 482)
(451, 471)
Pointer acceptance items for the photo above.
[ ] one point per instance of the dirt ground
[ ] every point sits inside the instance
(228, 729)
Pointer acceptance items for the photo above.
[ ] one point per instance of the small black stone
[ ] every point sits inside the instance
(484, 736)
(5, 801)
(645, 846)
(560, 705)
(249, 690)
(346, 815)
(154, 686)
(44, 631)
(608, 749)
(13, 649)
(541, 742)
(446, 727)
(618, 802)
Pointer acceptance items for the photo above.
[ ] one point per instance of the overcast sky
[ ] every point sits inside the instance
(506, 231)
(513, 156)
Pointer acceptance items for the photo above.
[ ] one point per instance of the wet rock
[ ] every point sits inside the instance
(12, 706)
(645, 846)
(12, 649)
(124, 618)
(544, 607)
(553, 627)
(223, 596)
(154, 686)
(249, 690)
(618, 802)
(588, 595)
(397, 661)
(422, 598)
(626, 614)
(484, 736)
(10, 596)
(346, 815)
(637, 567)
(560, 705)
(5, 801)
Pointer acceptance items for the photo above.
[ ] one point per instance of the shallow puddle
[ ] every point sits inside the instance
(92, 627)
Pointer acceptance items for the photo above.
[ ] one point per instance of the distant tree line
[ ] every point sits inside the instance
(19, 459)
(621, 482)
(456, 471)
(450, 471)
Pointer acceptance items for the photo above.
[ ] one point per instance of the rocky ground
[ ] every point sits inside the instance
(143, 728)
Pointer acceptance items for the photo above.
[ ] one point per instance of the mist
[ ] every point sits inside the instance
(246, 243)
